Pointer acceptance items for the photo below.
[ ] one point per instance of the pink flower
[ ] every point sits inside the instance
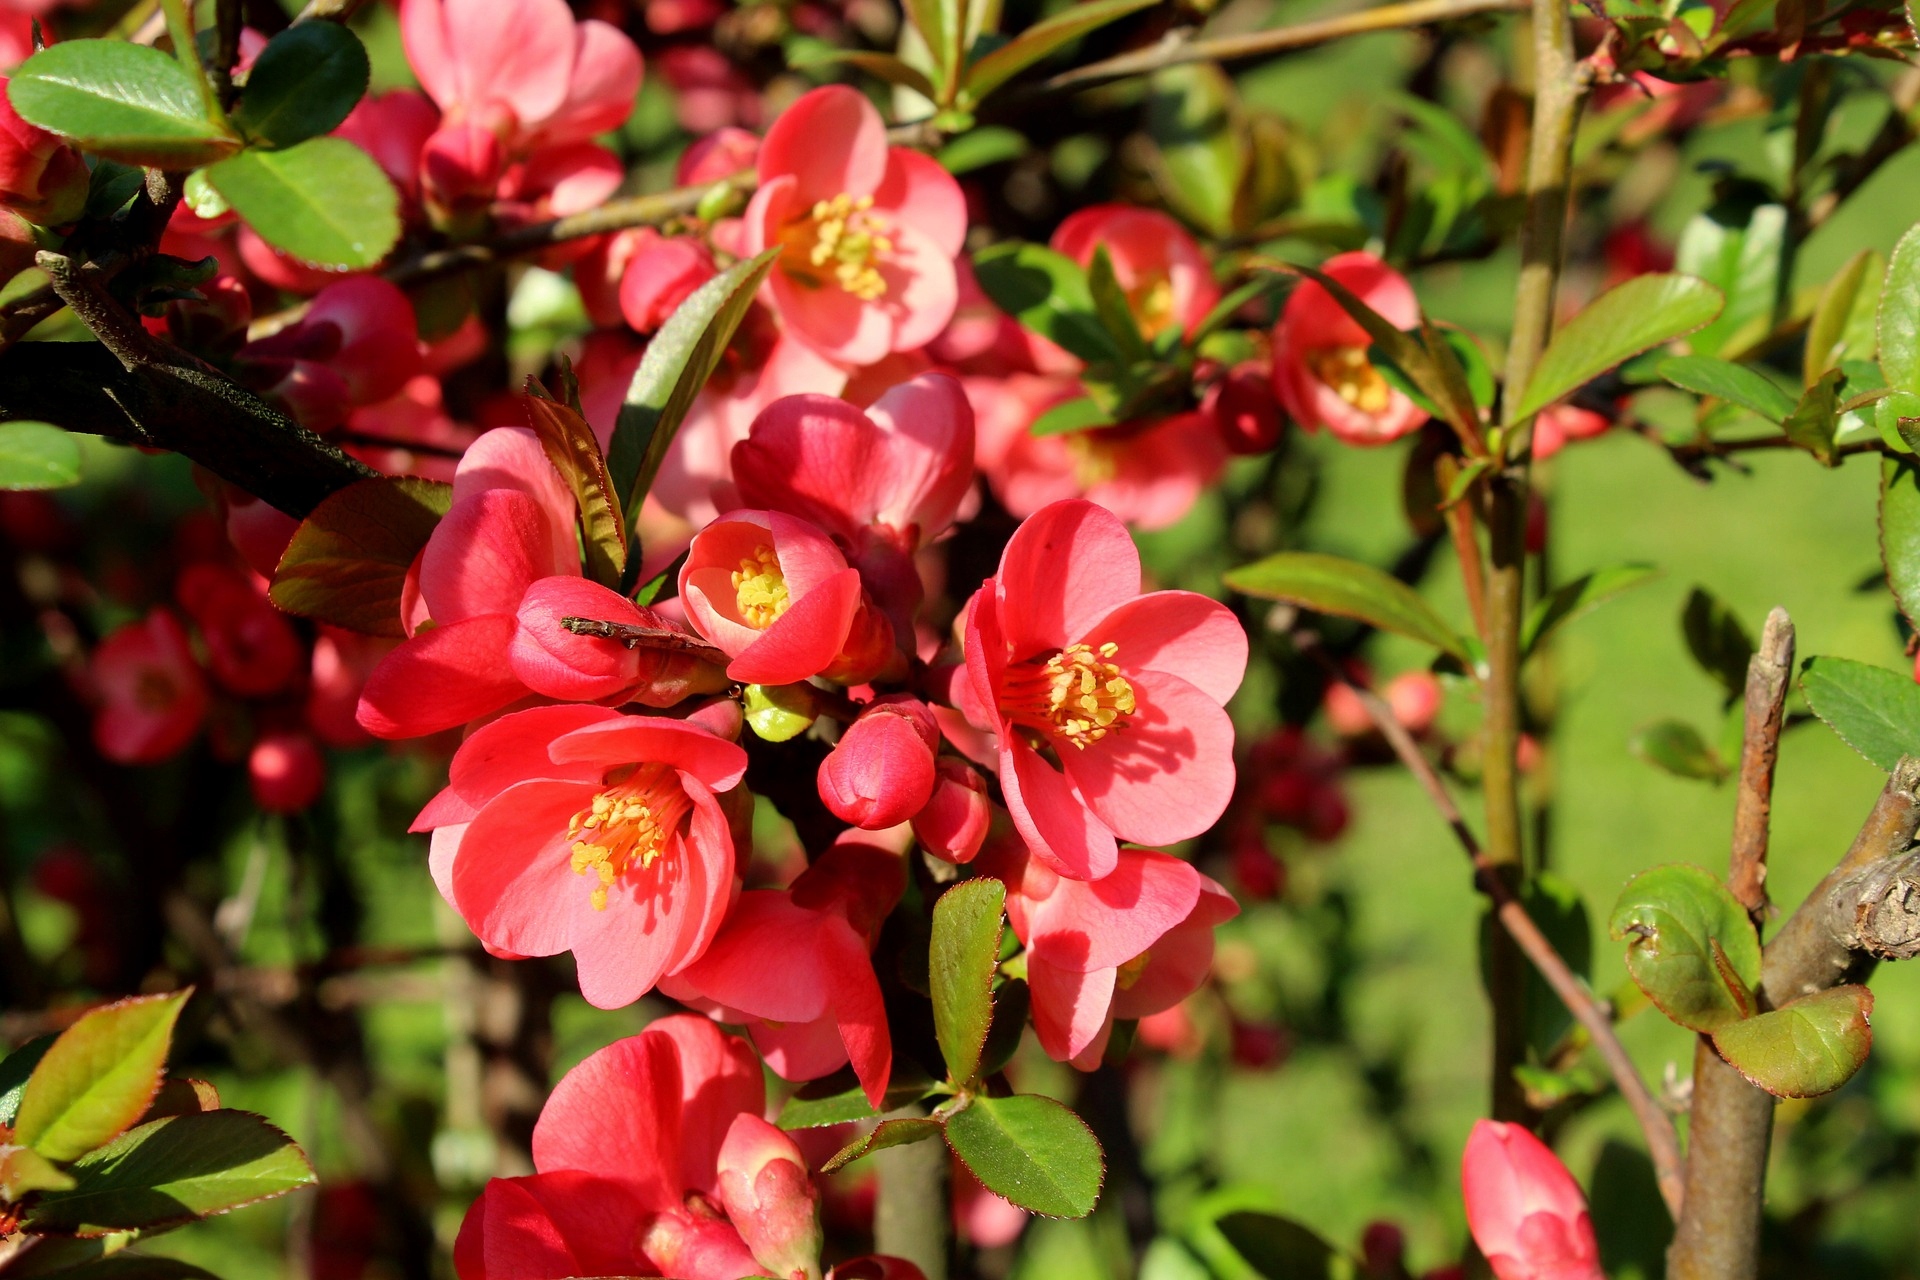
(393, 128)
(794, 968)
(251, 648)
(1161, 268)
(880, 773)
(1559, 425)
(953, 823)
(579, 829)
(1526, 1212)
(1125, 690)
(42, 177)
(1134, 943)
(355, 345)
(150, 695)
(1320, 368)
(868, 232)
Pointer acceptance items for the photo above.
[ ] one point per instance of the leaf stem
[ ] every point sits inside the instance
(187, 50)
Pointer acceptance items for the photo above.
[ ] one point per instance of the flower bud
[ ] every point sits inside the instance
(460, 166)
(881, 771)
(953, 823)
(286, 772)
(1415, 699)
(1244, 411)
(684, 1243)
(42, 177)
(769, 1198)
(659, 277)
(1526, 1212)
(151, 693)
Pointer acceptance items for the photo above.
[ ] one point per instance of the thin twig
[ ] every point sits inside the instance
(1769, 673)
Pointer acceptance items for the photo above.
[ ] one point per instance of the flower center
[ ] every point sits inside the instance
(848, 238)
(1352, 378)
(1075, 696)
(760, 589)
(1129, 973)
(1152, 303)
(626, 825)
(1095, 462)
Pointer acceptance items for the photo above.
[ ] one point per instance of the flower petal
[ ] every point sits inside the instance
(617, 1114)
(832, 141)
(805, 639)
(1102, 924)
(1070, 1009)
(441, 678)
(507, 751)
(1181, 633)
(1057, 826)
(513, 879)
(622, 739)
(485, 553)
(718, 1080)
(1070, 564)
(1167, 776)
(918, 192)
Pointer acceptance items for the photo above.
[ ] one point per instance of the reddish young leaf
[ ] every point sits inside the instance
(349, 560)
(99, 1077)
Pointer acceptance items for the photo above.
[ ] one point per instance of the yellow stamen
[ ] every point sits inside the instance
(1152, 303)
(845, 236)
(760, 589)
(1129, 973)
(626, 826)
(1352, 378)
(1076, 696)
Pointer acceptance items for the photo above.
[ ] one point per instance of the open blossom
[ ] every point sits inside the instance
(150, 695)
(1132, 944)
(1125, 690)
(868, 232)
(1526, 1212)
(577, 828)
(1160, 267)
(1320, 367)
(251, 647)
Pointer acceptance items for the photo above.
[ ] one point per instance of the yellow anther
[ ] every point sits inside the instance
(626, 826)
(1129, 973)
(1152, 304)
(848, 238)
(1075, 696)
(760, 589)
(1352, 378)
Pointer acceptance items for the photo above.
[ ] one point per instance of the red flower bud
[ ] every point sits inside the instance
(881, 772)
(1526, 1212)
(769, 1198)
(1243, 409)
(659, 277)
(286, 772)
(953, 823)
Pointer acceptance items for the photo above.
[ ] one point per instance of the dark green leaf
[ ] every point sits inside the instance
(1200, 152)
(303, 84)
(1031, 1150)
(14, 1071)
(575, 453)
(98, 1077)
(1627, 319)
(1011, 1004)
(888, 1133)
(1279, 1248)
(1900, 315)
(1267, 282)
(99, 1259)
(1717, 640)
(1582, 595)
(1048, 293)
(172, 1171)
(1842, 327)
(839, 1099)
(1111, 306)
(1558, 908)
(1042, 39)
(1678, 748)
(1330, 584)
(967, 922)
(678, 362)
(127, 102)
(1690, 946)
(1725, 380)
(37, 455)
(1900, 531)
(1815, 420)
(1806, 1047)
(1080, 414)
(1875, 711)
(323, 201)
(1735, 246)
(349, 559)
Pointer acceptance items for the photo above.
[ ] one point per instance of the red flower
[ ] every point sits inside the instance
(580, 829)
(1320, 367)
(150, 691)
(868, 232)
(1125, 690)
(880, 773)
(1526, 1212)
(1162, 269)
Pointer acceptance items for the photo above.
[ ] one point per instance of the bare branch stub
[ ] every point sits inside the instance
(1769, 674)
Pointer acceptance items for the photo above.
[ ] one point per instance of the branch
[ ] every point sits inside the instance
(910, 1216)
(1769, 672)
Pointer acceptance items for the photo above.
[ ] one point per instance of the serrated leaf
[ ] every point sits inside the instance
(324, 201)
(1678, 748)
(839, 1099)
(1875, 711)
(37, 455)
(1278, 1248)
(1725, 380)
(1690, 946)
(1717, 639)
(965, 950)
(1042, 39)
(348, 560)
(1842, 327)
(182, 1096)
(1582, 595)
(172, 1171)
(124, 101)
(1815, 421)
(678, 362)
(1899, 318)
(1636, 316)
(303, 84)
(1032, 1151)
(98, 1077)
(1806, 1047)
(888, 1133)
(1046, 292)
(1330, 584)
(1011, 1005)
(575, 453)
(1900, 531)
(1896, 416)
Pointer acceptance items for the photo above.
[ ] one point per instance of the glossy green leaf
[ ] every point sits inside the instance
(1900, 531)
(323, 201)
(14, 1071)
(1031, 1150)
(1110, 304)
(349, 559)
(1896, 416)
(1048, 293)
(967, 923)
(1629, 318)
(1582, 595)
(839, 1099)
(1725, 380)
(888, 1133)
(1717, 639)
(1815, 421)
(172, 1171)
(1331, 584)
(1677, 748)
(575, 453)
(1279, 1248)
(303, 84)
(98, 1077)
(1900, 315)
(978, 148)
(1842, 327)
(124, 101)
(37, 455)
(678, 362)
(1042, 39)
(1690, 946)
(1736, 247)
(1200, 153)
(1875, 711)
(1806, 1047)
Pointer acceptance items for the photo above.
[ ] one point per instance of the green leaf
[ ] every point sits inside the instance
(678, 362)
(1557, 906)
(1690, 946)
(1042, 39)
(1900, 531)
(575, 453)
(1725, 380)
(1735, 246)
(1677, 747)
(14, 1071)
(1899, 321)
(967, 923)
(1896, 416)
(888, 1133)
(24, 1171)
(1260, 286)
(348, 560)
(1279, 1248)
(839, 1099)
(940, 27)
(1627, 319)
(172, 1171)
(1806, 1047)
(101, 1258)
(1875, 711)
(37, 455)
(1718, 640)
(1816, 420)
(1842, 327)
(978, 148)
(1083, 413)
(1582, 595)
(123, 101)
(303, 84)
(1330, 584)
(98, 1077)
(1200, 152)
(323, 201)
(1048, 293)
(1031, 1150)
(1011, 1005)
(1111, 306)
(885, 66)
